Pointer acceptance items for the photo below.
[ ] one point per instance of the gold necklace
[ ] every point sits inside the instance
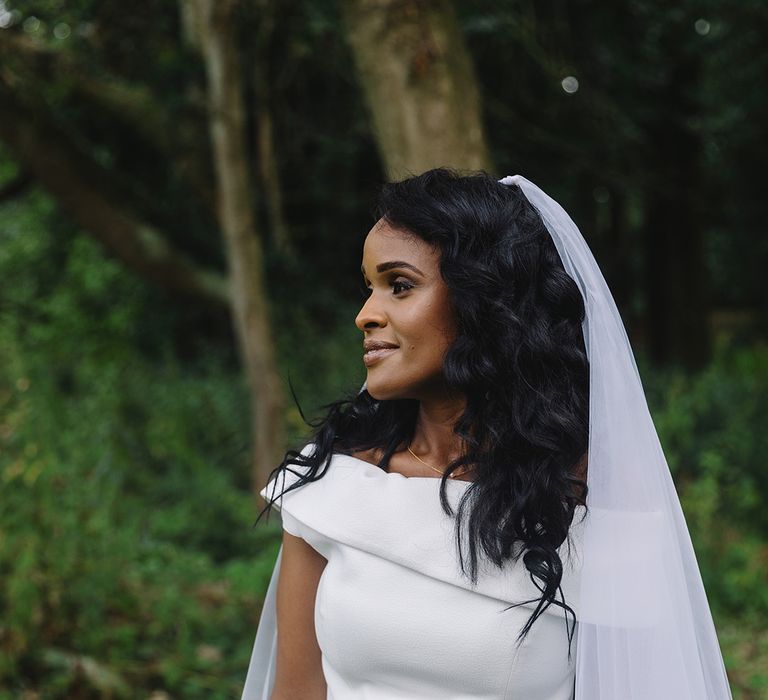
(452, 476)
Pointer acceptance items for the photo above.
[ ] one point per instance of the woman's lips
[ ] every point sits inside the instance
(373, 356)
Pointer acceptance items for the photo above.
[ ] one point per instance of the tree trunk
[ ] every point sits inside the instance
(218, 44)
(266, 155)
(269, 173)
(419, 84)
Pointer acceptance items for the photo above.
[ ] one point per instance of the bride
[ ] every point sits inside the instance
(491, 515)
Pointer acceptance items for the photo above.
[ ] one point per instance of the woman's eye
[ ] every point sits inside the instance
(398, 287)
(403, 286)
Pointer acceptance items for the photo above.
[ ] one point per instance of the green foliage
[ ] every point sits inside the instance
(712, 427)
(128, 562)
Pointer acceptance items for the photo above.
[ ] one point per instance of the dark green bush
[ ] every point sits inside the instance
(125, 568)
(713, 427)
(128, 562)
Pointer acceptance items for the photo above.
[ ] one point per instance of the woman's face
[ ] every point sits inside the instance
(408, 306)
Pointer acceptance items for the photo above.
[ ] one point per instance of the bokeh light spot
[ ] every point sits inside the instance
(61, 30)
(570, 84)
(31, 25)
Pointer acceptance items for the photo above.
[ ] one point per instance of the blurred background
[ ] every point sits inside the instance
(184, 192)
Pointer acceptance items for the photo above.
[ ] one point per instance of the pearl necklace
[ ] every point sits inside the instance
(452, 476)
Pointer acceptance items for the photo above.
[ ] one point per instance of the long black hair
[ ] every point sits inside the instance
(518, 358)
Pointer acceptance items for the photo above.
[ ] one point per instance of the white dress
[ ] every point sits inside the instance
(396, 619)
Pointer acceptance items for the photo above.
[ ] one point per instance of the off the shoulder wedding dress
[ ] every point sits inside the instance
(395, 618)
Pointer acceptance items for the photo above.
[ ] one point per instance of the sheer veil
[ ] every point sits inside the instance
(645, 630)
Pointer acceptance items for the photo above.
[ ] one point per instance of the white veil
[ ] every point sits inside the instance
(645, 629)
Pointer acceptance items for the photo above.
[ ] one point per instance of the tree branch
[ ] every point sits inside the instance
(132, 106)
(84, 190)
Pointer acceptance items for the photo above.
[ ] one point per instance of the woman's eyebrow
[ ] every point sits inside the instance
(383, 267)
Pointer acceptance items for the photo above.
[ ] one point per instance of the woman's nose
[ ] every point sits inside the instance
(370, 314)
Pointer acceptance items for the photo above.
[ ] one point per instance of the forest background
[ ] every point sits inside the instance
(184, 192)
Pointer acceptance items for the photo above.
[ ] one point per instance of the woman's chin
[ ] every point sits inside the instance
(382, 392)
(377, 394)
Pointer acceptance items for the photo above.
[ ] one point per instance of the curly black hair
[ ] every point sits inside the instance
(519, 359)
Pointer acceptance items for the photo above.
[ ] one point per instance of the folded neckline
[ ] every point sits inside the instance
(402, 476)
(379, 470)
